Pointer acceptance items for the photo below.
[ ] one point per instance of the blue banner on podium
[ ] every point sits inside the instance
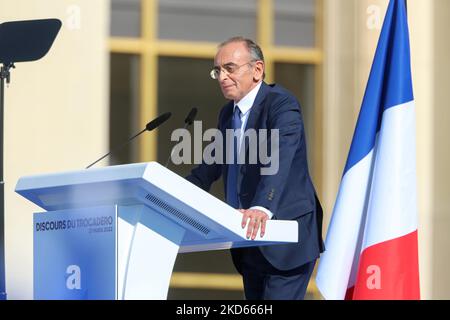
(75, 254)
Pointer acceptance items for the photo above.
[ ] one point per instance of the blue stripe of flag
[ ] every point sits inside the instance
(389, 82)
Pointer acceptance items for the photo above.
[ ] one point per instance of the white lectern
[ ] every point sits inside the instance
(115, 232)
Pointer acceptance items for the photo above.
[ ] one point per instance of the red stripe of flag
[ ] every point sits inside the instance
(388, 271)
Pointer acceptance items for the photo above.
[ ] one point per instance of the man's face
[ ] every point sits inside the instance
(246, 73)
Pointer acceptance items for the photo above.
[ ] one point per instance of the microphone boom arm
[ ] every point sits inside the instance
(117, 148)
(155, 123)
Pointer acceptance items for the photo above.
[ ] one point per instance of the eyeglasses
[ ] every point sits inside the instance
(229, 68)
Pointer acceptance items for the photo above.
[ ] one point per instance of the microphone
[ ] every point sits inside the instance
(190, 117)
(155, 123)
(187, 122)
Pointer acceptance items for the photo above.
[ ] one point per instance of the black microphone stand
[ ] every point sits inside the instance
(187, 122)
(152, 125)
(117, 148)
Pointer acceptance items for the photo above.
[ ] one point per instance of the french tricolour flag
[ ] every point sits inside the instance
(371, 242)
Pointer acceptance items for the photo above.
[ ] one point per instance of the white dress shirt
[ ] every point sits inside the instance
(245, 105)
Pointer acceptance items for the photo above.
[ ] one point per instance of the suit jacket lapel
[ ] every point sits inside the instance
(256, 109)
(226, 124)
(251, 124)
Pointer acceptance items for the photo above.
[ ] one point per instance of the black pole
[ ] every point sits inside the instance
(4, 75)
(20, 41)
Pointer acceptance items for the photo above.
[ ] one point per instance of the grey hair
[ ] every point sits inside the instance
(254, 50)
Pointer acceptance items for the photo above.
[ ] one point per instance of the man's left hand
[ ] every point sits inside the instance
(257, 219)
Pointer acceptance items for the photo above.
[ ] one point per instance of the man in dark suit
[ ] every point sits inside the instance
(269, 272)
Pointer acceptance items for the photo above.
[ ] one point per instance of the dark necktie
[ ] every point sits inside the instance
(233, 168)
